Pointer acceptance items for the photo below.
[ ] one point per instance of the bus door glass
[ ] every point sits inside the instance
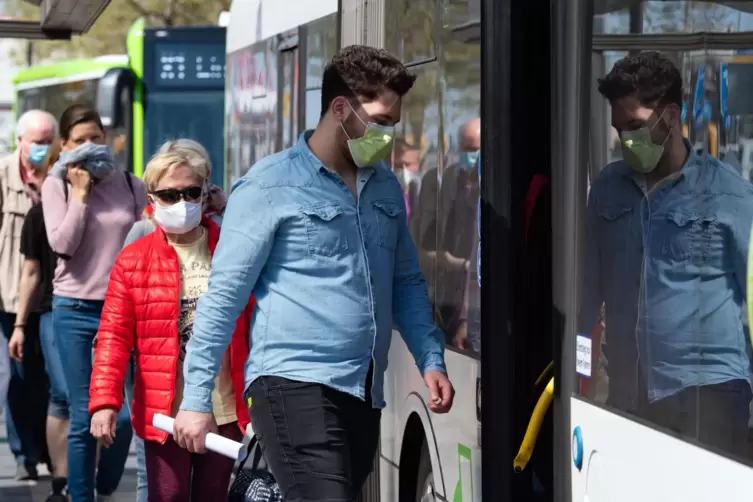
(662, 350)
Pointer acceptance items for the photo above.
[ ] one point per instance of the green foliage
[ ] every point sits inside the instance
(446, 89)
(108, 35)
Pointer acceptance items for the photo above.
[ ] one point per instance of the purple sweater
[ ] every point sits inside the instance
(91, 234)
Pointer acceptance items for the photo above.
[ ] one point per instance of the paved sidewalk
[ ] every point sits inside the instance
(14, 491)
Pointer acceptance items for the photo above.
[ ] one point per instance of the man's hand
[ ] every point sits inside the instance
(81, 181)
(440, 390)
(103, 426)
(16, 344)
(191, 429)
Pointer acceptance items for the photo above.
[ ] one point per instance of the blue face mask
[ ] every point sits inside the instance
(37, 154)
(468, 160)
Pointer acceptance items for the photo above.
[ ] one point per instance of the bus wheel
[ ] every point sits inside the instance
(425, 487)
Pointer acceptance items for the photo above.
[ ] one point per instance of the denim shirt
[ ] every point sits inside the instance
(670, 266)
(330, 275)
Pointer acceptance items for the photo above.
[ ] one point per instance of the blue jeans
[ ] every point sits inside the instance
(53, 364)
(27, 395)
(141, 489)
(75, 324)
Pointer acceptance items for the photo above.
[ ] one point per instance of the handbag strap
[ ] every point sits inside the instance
(252, 450)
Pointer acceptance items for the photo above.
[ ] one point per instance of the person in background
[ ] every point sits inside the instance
(35, 295)
(89, 206)
(172, 262)
(445, 232)
(407, 168)
(21, 177)
(323, 220)
(212, 208)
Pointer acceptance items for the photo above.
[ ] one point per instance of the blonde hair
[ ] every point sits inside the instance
(182, 152)
(187, 145)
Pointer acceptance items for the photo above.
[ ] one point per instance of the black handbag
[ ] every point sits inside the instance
(252, 481)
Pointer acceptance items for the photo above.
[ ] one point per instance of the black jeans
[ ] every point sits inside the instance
(318, 442)
(716, 415)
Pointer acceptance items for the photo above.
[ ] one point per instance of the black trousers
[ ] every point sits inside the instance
(318, 442)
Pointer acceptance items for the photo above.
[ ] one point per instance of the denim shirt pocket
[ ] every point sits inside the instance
(325, 228)
(617, 230)
(687, 237)
(386, 213)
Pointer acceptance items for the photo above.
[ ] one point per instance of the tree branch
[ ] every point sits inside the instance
(169, 16)
(143, 11)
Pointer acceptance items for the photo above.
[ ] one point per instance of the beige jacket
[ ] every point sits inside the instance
(15, 202)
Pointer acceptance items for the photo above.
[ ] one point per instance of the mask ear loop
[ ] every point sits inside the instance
(342, 122)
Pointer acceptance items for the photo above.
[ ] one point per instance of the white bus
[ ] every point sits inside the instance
(529, 71)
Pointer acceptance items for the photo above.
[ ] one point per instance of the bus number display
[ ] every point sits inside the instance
(190, 65)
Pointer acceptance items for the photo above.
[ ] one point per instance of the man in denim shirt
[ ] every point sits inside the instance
(318, 233)
(667, 246)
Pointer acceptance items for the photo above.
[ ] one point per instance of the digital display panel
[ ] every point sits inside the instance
(190, 65)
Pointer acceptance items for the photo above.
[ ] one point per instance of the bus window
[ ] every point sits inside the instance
(410, 29)
(417, 168)
(661, 335)
(55, 98)
(289, 94)
(321, 44)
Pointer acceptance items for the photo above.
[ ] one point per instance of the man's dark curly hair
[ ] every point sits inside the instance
(652, 78)
(361, 71)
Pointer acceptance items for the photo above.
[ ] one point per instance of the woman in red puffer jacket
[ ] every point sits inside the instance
(150, 306)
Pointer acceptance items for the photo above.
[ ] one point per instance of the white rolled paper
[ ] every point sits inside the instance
(214, 442)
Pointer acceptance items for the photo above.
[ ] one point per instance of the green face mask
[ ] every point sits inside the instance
(374, 146)
(642, 154)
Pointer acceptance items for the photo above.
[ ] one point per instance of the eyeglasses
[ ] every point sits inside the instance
(173, 195)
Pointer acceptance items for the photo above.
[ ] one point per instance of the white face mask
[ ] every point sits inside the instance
(409, 176)
(180, 218)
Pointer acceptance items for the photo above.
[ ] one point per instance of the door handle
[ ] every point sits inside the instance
(534, 427)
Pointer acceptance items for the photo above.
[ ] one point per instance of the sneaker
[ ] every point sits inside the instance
(27, 473)
(59, 491)
(44, 470)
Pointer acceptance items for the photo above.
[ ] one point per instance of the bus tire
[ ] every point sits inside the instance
(425, 480)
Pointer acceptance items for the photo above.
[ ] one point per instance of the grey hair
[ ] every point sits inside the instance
(466, 130)
(188, 146)
(31, 116)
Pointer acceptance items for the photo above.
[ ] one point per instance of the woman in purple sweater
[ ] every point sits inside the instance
(88, 208)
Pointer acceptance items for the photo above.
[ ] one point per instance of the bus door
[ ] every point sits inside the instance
(517, 315)
(653, 400)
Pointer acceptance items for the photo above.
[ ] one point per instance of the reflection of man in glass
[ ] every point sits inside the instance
(667, 246)
(447, 232)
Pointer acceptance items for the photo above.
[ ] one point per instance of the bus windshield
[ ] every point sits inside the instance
(56, 98)
(197, 115)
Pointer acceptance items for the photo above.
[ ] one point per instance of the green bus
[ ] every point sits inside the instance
(170, 84)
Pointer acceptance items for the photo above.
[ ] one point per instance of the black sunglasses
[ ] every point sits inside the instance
(173, 195)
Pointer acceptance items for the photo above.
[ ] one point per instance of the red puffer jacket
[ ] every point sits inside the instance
(142, 308)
